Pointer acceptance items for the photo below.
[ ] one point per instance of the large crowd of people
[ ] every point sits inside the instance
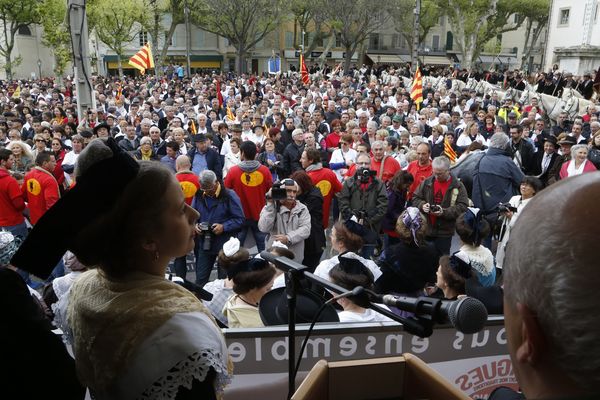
(347, 175)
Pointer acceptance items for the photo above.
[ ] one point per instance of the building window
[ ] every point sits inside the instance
(374, 41)
(24, 30)
(518, 18)
(563, 16)
(435, 42)
(143, 36)
(289, 40)
(338, 40)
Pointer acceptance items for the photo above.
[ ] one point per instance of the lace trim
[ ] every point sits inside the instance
(195, 366)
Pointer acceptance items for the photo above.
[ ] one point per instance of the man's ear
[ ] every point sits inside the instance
(533, 341)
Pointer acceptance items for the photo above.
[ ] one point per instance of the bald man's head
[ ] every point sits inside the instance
(182, 163)
(551, 281)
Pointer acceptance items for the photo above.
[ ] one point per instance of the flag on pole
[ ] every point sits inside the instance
(416, 92)
(17, 93)
(142, 60)
(119, 92)
(304, 70)
(192, 126)
(274, 65)
(449, 151)
(230, 116)
(219, 94)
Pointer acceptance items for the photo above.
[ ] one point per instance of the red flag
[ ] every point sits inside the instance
(449, 151)
(219, 95)
(304, 71)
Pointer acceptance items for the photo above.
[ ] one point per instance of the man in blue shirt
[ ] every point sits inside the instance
(203, 157)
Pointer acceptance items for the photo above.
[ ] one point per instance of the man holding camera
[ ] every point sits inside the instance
(221, 216)
(364, 196)
(285, 219)
(443, 198)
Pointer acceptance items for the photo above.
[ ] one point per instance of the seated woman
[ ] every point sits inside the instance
(350, 273)
(410, 264)
(452, 274)
(472, 228)
(134, 333)
(251, 280)
(346, 239)
(222, 289)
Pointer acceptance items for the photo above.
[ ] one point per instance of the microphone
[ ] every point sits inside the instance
(357, 291)
(467, 315)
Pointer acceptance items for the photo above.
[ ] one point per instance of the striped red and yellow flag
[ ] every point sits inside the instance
(142, 60)
(304, 71)
(449, 151)
(416, 92)
(230, 116)
(193, 129)
(119, 92)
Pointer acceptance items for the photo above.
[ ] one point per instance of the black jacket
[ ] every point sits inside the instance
(313, 200)
(537, 166)
(291, 158)
(527, 152)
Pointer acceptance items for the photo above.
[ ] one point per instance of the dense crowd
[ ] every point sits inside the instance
(350, 161)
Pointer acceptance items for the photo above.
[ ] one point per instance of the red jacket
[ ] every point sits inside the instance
(12, 202)
(189, 184)
(328, 183)
(251, 188)
(420, 173)
(41, 191)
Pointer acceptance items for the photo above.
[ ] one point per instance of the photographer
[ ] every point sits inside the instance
(509, 212)
(285, 219)
(443, 197)
(364, 197)
(221, 216)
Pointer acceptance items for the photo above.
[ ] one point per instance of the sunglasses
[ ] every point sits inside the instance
(39, 140)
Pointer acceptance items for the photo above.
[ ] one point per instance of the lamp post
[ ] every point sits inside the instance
(188, 37)
(39, 64)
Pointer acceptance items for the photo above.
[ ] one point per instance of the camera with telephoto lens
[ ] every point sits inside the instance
(364, 174)
(206, 235)
(506, 207)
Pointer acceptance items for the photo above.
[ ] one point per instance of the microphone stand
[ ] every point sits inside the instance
(421, 326)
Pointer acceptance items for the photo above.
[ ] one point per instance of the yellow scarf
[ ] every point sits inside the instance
(146, 155)
(111, 318)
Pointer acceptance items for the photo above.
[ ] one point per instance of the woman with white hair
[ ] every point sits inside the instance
(24, 159)
(578, 164)
(145, 151)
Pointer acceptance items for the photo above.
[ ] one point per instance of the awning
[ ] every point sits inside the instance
(436, 60)
(507, 60)
(389, 58)
(488, 59)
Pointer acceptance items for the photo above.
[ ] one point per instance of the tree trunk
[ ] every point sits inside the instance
(120, 66)
(323, 56)
(8, 66)
(240, 60)
(527, 47)
(347, 59)
(168, 37)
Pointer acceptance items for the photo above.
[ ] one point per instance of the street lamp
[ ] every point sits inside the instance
(39, 64)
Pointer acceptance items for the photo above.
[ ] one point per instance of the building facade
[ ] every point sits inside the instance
(36, 59)
(574, 36)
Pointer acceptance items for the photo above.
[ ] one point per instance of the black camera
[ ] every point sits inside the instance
(435, 208)
(206, 235)
(364, 174)
(506, 207)
(279, 191)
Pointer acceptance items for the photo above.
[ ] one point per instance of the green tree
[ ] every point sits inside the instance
(117, 23)
(14, 15)
(536, 18)
(355, 21)
(403, 17)
(476, 22)
(56, 35)
(243, 22)
(310, 16)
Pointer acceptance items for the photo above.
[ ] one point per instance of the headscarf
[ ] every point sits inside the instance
(474, 219)
(412, 220)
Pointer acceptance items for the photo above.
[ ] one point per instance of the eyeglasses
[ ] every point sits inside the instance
(39, 140)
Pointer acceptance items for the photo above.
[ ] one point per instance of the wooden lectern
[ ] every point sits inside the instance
(405, 377)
